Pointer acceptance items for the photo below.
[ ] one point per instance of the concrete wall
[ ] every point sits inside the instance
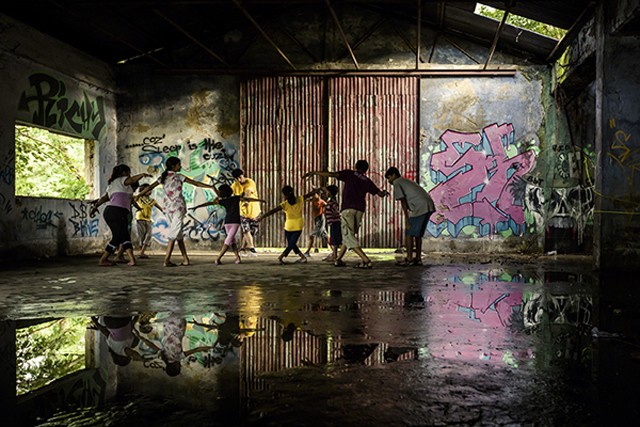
(618, 184)
(48, 84)
(194, 118)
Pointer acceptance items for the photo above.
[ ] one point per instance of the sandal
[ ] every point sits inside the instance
(363, 265)
(339, 263)
(404, 263)
(416, 262)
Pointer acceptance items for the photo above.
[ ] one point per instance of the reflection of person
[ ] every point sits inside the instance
(175, 205)
(145, 205)
(171, 350)
(249, 211)
(117, 213)
(292, 207)
(417, 206)
(356, 187)
(319, 223)
(231, 204)
(120, 338)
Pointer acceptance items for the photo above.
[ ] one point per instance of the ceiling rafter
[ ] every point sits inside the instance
(108, 33)
(264, 34)
(191, 37)
(344, 37)
(497, 36)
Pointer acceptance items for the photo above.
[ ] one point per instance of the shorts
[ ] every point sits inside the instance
(336, 233)
(175, 222)
(319, 227)
(249, 225)
(145, 230)
(418, 225)
(351, 220)
(231, 230)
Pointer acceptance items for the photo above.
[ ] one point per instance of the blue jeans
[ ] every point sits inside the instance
(292, 242)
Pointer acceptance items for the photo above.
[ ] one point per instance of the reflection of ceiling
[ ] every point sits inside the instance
(176, 34)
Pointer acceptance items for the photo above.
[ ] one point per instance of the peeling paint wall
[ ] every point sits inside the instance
(48, 84)
(195, 119)
(479, 149)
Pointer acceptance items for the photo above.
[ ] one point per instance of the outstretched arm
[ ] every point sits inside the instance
(150, 344)
(203, 185)
(326, 174)
(271, 212)
(251, 199)
(311, 193)
(197, 349)
(133, 179)
(215, 202)
(97, 203)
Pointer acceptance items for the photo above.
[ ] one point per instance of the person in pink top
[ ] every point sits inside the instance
(116, 214)
(175, 207)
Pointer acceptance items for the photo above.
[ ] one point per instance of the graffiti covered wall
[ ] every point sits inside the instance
(479, 148)
(73, 94)
(196, 120)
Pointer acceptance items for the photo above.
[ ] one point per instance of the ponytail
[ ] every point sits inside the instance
(169, 164)
(287, 191)
(117, 172)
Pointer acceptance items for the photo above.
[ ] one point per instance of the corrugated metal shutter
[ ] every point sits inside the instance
(283, 137)
(285, 124)
(375, 119)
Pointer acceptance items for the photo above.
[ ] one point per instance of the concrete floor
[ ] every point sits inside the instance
(465, 340)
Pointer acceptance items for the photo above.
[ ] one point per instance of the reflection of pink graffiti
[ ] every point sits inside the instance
(473, 174)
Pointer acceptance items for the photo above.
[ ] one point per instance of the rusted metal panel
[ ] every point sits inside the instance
(374, 118)
(292, 125)
(283, 137)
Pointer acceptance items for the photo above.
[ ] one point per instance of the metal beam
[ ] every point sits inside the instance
(296, 41)
(571, 32)
(345, 73)
(186, 33)
(418, 25)
(366, 36)
(459, 48)
(264, 34)
(89, 21)
(344, 37)
(497, 36)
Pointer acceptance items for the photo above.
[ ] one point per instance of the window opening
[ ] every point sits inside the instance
(521, 22)
(52, 164)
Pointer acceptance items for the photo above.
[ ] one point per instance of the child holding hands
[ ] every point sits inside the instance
(231, 203)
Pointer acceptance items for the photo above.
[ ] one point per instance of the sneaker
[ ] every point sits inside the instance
(252, 253)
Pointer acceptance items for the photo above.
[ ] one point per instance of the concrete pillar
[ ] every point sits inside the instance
(616, 218)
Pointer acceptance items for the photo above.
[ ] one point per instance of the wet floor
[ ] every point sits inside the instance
(468, 341)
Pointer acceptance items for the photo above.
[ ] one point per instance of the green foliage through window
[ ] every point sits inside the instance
(521, 22)
(49, 351)
(49, 164)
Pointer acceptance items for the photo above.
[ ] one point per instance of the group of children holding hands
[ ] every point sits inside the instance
(342, 223)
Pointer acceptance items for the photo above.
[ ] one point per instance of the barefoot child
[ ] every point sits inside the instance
(292, 207)
(175, 205)
(231, 203)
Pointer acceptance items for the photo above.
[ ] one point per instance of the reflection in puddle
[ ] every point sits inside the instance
(466, 348)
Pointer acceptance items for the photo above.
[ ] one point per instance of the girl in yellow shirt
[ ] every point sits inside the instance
(292, 207)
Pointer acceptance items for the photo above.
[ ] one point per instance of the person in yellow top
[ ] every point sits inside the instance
(249, 211)
(292, 207)
(145, 205)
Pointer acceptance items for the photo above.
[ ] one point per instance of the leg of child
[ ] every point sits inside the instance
(167, 257)
(311, 239)
(234, 248)
(294, 245)
(183, 251)
(132, 259)
(222, 252)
